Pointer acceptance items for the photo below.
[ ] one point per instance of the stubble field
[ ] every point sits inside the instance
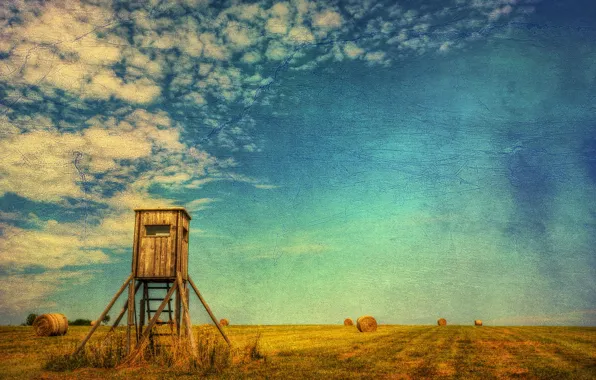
(330, 351)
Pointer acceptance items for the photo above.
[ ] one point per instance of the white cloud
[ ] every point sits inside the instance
(136, 197)
(352, 50)
(246, 12)
(300, 34)
(265, 186)
(24, 293)
(61, 49)
(327, 19)
(46, 165)
(251, 57)
(213, 47)
(277, 25)
(51, 247)
(199, 204)
(445, 46)
(498, 12)
(239, 35)
(377, 56)
(280, 9)
(276, 51)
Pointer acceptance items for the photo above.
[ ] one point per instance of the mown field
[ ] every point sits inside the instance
(392, 352)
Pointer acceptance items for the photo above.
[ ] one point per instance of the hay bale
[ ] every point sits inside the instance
(93, 323)
(224, 322)
(477, 322)
(366, 323)
(348, 322)
(52, 324)
(442, 322)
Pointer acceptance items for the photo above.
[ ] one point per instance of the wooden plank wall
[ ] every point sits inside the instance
(135, 243)
(184, 251)
(182, 246)
(157, 254)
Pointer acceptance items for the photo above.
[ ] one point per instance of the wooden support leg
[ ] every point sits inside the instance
(103, 315)
(209, 311)
(177, 313)
(143, 311)
(186, 315)
(131, 315)
(124, 309)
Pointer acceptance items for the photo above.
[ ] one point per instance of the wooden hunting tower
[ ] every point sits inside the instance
(160, 267)
(160, 247)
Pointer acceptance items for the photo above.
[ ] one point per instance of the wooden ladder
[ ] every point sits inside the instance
(157, 334)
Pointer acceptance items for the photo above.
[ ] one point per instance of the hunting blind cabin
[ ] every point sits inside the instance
(160, 268)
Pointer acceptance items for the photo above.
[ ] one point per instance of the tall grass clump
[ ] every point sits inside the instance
(212, 355)
(102, 354)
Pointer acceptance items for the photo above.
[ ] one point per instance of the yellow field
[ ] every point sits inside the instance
(392, 352)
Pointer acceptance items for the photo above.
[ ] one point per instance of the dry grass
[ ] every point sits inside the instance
(334, 352)
(212, 355)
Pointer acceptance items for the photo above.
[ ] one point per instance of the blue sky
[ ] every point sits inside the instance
(409, 160)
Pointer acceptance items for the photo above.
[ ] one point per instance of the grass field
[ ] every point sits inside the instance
(392, 352)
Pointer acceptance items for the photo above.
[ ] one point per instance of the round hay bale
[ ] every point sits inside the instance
(366, 323)
(93, 323)
(477, 322)
(52, 324)
(348, 322)
(224, 322)
(442, 322)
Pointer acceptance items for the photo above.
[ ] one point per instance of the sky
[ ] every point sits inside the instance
(409, 160)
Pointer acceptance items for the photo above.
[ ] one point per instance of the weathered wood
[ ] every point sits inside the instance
(177, 313)
(135, 244)
(192, 284)
(103, 315)
(143, 311)
(179, 243)
(124, 309)
(184, 251)
(161, 256)
(162, 209)
(186, 313)
(131, 315)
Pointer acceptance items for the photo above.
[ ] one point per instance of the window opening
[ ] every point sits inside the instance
(157, 230)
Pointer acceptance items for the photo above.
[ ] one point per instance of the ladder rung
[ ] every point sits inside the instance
(157, 299)
(163, 311)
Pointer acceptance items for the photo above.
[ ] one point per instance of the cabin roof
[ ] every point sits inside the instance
(164, 209)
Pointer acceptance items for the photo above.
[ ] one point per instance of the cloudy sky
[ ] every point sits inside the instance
(405, 159)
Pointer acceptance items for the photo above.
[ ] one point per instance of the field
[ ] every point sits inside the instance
(326, 351)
